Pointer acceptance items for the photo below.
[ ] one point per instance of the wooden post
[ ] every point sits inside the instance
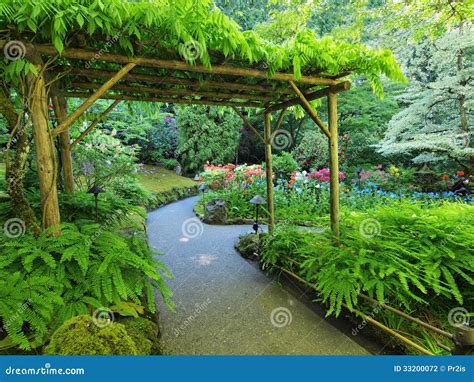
(94, 123)
(333, 163)
(60, 109)
(268, 162)
(45, 154)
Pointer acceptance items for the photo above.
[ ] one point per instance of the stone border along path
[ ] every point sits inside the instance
(226, 304)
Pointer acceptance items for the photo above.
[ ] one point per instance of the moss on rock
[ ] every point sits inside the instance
(81, 336)
(144, 333)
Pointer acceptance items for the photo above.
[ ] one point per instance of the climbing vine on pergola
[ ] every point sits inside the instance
(183, 51)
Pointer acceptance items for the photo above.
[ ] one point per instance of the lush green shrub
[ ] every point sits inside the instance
(284, 165)
(207, 134)
(405, 253)
(101, 158)
(84, 268)
(81, 336)
(312, 151)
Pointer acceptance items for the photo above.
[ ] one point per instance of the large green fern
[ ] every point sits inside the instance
(55, 278)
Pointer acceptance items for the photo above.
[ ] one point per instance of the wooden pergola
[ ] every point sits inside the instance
(93, 75)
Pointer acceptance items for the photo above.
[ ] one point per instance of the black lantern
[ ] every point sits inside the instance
(202, 188)
(96, 190)
(257, 200)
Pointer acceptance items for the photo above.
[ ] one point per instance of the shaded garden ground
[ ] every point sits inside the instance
(225, 304)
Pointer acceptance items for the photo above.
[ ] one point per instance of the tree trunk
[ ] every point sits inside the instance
(333, 163)
(45, 153)
(15, 169)
(268, 163)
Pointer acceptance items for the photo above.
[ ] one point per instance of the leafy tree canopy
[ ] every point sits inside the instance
(164, 28)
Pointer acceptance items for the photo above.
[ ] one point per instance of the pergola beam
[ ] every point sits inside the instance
(174, 92)
(167, 100)
(94, 123)
(280, 119)
(89, 55)
(310, 110)
(92, 98)
(247, 122)
(165, 80)
(342, 86)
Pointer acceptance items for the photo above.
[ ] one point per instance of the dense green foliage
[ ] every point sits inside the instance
(404, 255)
(86, 267)
(207, 134)
(176, 22)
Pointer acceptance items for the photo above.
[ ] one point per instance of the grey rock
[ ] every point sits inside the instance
(215, 212)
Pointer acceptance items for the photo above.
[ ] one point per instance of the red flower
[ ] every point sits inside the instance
(445, 176)
(460, 173)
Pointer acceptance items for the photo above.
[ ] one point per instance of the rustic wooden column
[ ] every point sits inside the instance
(333, 162)
(94, 123)
(60, 109)
(45, 153)
(268, 163)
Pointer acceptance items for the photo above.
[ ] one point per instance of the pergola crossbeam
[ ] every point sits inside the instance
(251, 127)
(228, 70)
(170, 80)
(94, 123)
(173, 92)
(310, 110)
(92, 98)
(185, 101)
(343, 86)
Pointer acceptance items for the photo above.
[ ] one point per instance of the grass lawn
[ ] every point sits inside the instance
(157, 179)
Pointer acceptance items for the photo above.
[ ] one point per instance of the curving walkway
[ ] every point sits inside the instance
(224, 303)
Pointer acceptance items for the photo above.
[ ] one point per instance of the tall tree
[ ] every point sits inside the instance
(435, 124)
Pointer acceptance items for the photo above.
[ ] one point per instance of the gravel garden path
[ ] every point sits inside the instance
(226, 304)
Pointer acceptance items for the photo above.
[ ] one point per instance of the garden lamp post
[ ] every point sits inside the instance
(96, 190)
(202, 188)
(359, 172)
(257, 200)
